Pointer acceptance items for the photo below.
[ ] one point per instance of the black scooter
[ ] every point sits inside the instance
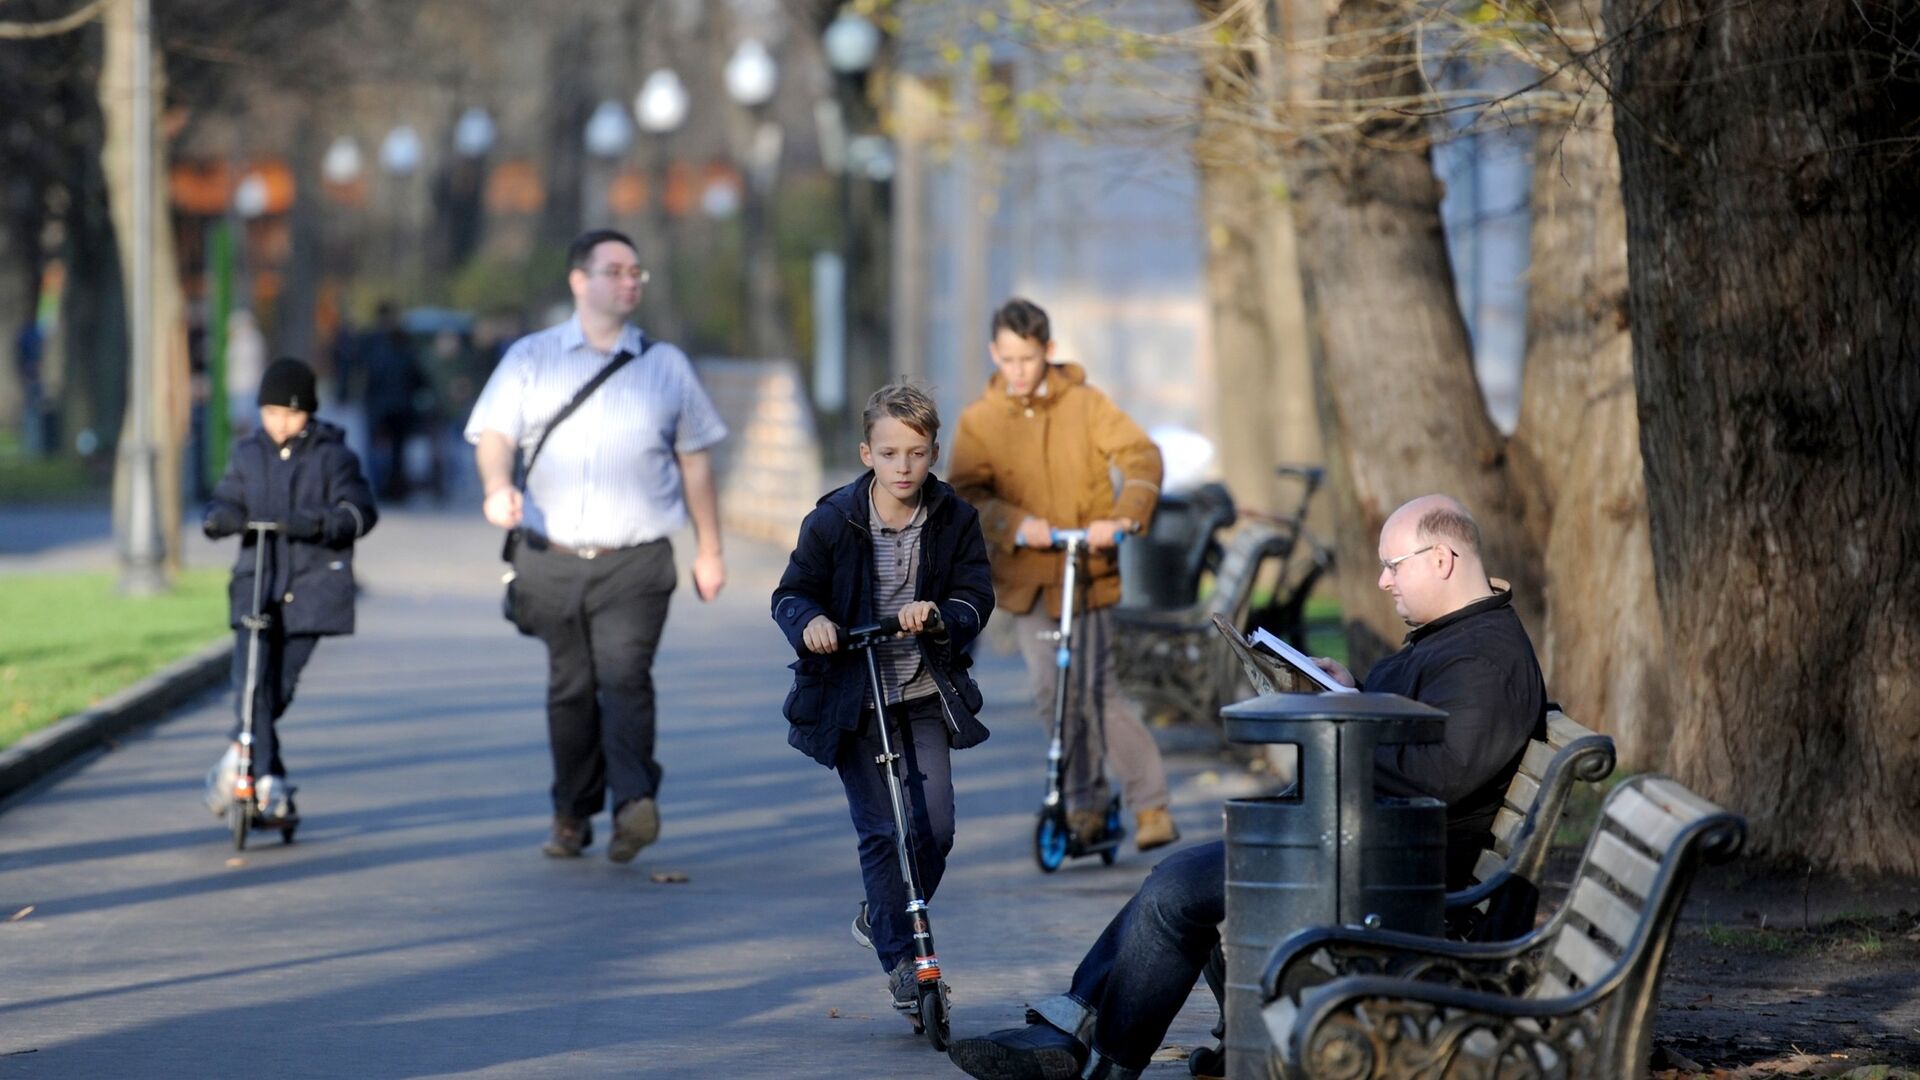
(930, 1013)
(245, 814)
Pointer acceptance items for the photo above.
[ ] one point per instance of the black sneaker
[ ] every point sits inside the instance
(569, 837)
(904, 985)
(862, 928)
(1034, 1052)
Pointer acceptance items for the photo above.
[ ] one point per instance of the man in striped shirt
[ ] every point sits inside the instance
(594, 570)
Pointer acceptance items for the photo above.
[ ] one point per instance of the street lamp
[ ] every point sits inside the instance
(751, 76)
(851, 42)
(661, 107)
(473, 133)
(341, 165)
(848, 282)
(609, 133)
(401, 151)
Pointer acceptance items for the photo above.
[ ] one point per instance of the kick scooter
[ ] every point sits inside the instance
(929, 1015)
(1053, 842)
(244, 814)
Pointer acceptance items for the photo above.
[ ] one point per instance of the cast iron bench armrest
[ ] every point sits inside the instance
(1355, 952)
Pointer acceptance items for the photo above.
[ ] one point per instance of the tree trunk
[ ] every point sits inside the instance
(1772, 205)
(1576, 450)
(171, 378)
(1400, 408)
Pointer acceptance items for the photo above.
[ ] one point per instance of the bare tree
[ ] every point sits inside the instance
(1773, 207)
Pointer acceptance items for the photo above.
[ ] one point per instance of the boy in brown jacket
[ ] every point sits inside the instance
(1037, 452)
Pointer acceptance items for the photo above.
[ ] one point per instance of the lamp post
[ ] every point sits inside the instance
(751, 78)
(473, 138)
(400, 155)
(608, 136)
(661, 107)
(852, 45)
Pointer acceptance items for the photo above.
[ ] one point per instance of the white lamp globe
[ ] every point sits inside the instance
(250, 198)
(851, 42)
(473, 133)
(661, 106)
(609, 132)
(342, 164)
(751, 74)
(400, 152)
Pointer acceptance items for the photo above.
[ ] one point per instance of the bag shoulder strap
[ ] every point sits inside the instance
(620, 359)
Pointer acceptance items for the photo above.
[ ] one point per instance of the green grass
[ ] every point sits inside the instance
(51, 479)
(69, 640)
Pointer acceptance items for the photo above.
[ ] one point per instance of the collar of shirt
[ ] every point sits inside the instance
(878, 525)
(574, 336)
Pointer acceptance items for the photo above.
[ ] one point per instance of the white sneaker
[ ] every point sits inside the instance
(274, 796)
(220, 780)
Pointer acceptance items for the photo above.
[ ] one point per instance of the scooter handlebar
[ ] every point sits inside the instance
(263, 526)
(861, 636)
(1061, 537)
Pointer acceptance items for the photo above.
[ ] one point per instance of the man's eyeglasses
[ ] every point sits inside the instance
(632, 273)
(1392, 566)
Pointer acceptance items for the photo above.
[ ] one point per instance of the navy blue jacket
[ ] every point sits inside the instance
(313, 481)
(831, 573)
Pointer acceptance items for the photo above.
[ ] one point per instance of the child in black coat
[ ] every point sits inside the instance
(296, 472)
(895, 542)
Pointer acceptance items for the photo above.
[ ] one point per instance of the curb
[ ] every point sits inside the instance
(144, 702)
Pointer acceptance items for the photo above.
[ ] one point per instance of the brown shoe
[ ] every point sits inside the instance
(1154, 828)
(1086, 825)
(569, 837)
(635, 825)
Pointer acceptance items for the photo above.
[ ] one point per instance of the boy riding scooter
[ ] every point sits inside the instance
(895, 543)
(296, 473)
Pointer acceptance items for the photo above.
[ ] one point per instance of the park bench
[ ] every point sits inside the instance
(1573, 998)
(1166, 657)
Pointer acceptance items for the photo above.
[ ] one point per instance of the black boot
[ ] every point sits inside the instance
(1102, 1068)
(1035, 1052)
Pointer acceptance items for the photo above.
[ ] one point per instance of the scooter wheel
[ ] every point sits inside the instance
(933, 1014)
(239, 816)
(1050, 842)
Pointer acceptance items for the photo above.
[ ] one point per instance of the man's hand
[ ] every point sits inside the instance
(1102, 534)
(1336, 669)
(503, 506)
(1036, 533)
(921, 615)
(822, 635)
(710, 575)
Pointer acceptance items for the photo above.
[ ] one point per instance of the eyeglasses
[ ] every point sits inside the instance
(632, 273)
(1392, 566)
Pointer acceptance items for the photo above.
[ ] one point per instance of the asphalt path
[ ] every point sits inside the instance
(414, 929)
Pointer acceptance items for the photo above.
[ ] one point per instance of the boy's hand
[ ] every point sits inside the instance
(1101, 534)
(822, 635)
(223, 520)
(921, 615)
(304, 525)
(1036, 533)
(503, 506)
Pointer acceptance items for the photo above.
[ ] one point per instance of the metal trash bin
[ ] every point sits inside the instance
(1328, 851)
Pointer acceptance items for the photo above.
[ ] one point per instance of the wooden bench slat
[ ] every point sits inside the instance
(1549, 985)
(1678, 801)
(1634, 871)
(1488, 865)
(1582, 955)
(1608, 913)
(1522, 793)
(1643, 819)
(1563, 729)
(1505, 824)
(1535, 761)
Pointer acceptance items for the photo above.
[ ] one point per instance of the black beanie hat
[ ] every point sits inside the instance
(288, 382)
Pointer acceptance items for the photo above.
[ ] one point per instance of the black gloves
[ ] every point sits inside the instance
(305, 525)
(223, 520)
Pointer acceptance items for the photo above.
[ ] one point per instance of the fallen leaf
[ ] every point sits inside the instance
(21, 914)
(1209, 778)
(833, 1014)
(1171, 1052)
(237, 861)
(669, 877)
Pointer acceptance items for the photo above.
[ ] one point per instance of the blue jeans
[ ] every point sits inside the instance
(929, 793)
(1135, 979)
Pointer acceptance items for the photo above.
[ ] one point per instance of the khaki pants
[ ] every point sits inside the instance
(1102, 729)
